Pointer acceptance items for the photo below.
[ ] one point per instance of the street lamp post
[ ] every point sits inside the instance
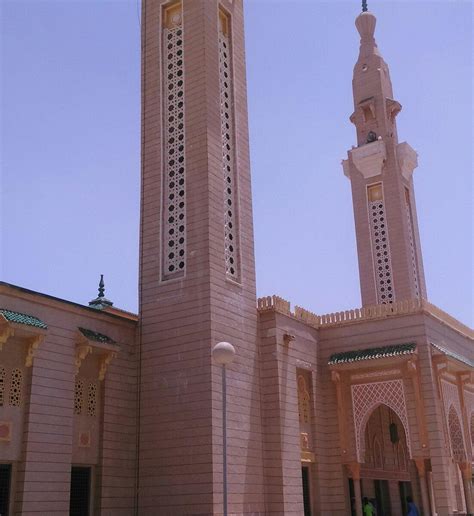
(223, 354)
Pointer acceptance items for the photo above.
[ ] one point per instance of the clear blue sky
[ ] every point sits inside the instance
(70, 129)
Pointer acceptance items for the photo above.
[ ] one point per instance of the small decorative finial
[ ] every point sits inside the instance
(364, 6)
(101, 302)
(101, 286)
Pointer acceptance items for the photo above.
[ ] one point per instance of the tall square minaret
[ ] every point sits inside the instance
(380, 170)
(197, 274)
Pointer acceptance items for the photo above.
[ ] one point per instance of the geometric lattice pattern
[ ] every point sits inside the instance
(228, 156)
(174, 202)
(367, 397)
(381, 252)
(453, 413)
(3, 375)
(92, 399)
(79, 396)
(412, 244)
(455, 435)
(16, 386)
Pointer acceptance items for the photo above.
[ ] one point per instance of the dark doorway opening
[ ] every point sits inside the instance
(80, 491)
(5, 481)
(352, 497)
(306, 491)
(382, 497)
(405, 490)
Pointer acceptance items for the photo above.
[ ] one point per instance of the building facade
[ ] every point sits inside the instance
(111, 413)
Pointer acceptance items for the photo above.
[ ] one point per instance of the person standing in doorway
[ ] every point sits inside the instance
(367, 507)
(412, 508)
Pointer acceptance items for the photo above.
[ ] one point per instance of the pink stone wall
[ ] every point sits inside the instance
(47, 447)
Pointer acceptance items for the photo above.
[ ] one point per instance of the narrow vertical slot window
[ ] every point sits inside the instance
(174, 169)
(380, 245)
(231, 237)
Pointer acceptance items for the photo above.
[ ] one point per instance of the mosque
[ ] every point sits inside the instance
(104, 412)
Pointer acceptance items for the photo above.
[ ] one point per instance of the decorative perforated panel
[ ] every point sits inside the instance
(3, 374)
(304, 400)
(380, 246)
(174, 180)
(469, 402)
(455, 435)
(411, 237)
(228, 155)
(367, 397)
(16, 387)
(453, 413)
(78, 396)
(92, 399)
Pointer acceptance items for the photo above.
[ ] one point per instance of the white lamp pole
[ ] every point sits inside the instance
(223, 354)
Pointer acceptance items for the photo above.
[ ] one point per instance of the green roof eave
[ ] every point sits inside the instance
(358, 355)
(96, 336)
(19, 318)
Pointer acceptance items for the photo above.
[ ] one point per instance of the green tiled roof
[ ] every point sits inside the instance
(96, 336)
(19, 318)
(455, 355)
(372, 353)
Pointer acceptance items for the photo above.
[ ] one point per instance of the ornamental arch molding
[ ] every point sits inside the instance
(469, 403)
(367, 397)
(453, 414)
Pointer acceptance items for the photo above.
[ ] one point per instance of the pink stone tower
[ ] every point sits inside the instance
(197, 273)
(380, 170)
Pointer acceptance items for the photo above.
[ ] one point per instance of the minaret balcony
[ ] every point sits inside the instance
(407, 159)
(367, 159)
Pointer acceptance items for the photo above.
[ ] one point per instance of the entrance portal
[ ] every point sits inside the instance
(385, 471)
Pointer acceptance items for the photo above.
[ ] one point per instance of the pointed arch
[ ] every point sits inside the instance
(367, 397)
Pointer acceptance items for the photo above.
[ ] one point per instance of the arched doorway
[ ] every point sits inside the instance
(387, 473)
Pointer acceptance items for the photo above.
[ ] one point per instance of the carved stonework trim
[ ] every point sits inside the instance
(376, 374)
(5, 430)
(84, 439)
(33, 345)
(81, 352)
(6, 331)
(172, 16)
(354, 470)
(104, 362)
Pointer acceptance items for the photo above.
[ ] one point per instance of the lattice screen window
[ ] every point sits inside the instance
(3, 375)
(16, 387)
(79, 396)
(304, 400)
(92, 395)
(228, 149)
(174, 181)
(380, 245)
(411, 237)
